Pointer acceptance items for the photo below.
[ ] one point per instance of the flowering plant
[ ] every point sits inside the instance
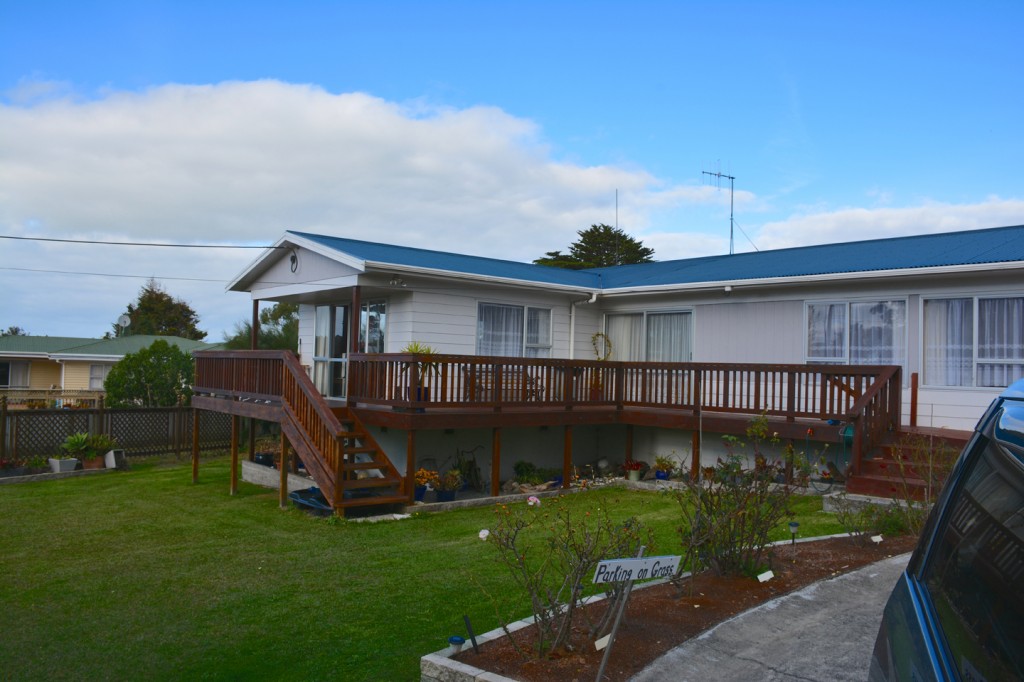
(426, 477)
(452, 480)
(632, 465)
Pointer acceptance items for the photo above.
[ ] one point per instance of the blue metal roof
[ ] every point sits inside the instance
(454, 262)
(973, 247)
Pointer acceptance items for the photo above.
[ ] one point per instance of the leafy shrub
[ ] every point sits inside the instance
(728, 513)
(551, 552)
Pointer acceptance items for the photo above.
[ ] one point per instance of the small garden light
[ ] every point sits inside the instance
(457, 642)
(793, 526)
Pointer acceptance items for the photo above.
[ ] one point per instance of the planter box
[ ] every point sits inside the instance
(59, 466)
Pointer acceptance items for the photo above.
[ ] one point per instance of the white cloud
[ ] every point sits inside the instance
(854, 224)
(243, 161)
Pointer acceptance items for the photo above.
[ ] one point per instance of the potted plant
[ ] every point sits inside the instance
(425, 480)
(426, 366)
(448, 485)
(663, 467)
(632, 468)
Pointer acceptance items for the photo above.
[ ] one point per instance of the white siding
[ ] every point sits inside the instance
(770, 332)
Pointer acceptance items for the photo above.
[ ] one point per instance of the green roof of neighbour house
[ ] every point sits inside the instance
(71, 346)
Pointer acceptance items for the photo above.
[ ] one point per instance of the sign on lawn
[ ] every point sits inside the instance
(621, 570)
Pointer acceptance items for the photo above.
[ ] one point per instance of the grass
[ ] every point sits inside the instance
(145, 575)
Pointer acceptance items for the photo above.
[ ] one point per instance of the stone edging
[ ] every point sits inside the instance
(31, 478)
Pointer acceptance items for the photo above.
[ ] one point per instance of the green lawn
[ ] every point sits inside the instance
(144, 575)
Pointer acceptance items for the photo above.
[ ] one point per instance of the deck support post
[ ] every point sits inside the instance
(695, 459)
(410, 465)
(496, 461)
(195, 445)
(282, 497)
(234, 453)
(567, 458)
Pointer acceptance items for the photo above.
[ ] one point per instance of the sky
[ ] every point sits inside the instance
(490, 128)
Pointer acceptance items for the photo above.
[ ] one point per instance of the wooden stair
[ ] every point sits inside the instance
(891, 473)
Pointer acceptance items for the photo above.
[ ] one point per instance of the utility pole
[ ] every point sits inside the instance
(731, 180)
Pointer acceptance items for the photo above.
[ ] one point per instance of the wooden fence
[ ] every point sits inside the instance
(138, 431)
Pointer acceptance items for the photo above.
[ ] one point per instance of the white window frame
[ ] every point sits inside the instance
(103, 371)
(10, 372)
(845, 359)
(543, 347)
(645, 340)
(976, 361)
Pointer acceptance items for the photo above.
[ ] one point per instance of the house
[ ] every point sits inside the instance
(68, 369)
(946, 309)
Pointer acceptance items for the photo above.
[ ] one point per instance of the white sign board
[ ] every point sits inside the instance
(621, 570)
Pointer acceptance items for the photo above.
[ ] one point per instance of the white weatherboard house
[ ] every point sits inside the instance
(883, 334)
(948, 307)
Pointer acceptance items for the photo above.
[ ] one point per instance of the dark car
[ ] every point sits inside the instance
(957, 612)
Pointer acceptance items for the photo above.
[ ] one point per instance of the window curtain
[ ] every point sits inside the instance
(826, 332)
(878, 332)
(668, 337)
(1000, 341)
(499, 330)
(538, 333)
(949, 342)
(626, 334)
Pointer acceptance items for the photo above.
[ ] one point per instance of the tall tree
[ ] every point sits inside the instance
(14, 331)
(599, 246)
(157, 376)
(157, 312)
(279, 329)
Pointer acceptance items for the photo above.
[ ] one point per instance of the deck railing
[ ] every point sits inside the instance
(866, 397)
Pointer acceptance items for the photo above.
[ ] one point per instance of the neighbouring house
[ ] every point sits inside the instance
(48, 370)
(946, 309)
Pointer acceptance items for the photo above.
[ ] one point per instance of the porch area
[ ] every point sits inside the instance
(857, 406)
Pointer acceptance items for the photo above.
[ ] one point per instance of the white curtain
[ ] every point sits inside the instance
(626, 334)
(878, 332)
(949, 342)
(826, 332)
(499, 330)
(1000, 338)
(538, 333)
(668, 337)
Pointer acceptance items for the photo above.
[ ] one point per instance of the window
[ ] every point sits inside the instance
(974, 567)
(513, 331)
(98, 376)
(373, 319)
(650, 336)
(329, 349)
(13, 374)
(857, 333)
(973, 341)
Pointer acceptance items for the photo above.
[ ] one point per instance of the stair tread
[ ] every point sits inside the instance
(369, 501)
(370, 483)
(361, 466)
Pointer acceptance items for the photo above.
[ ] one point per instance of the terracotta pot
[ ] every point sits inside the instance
(94, 463)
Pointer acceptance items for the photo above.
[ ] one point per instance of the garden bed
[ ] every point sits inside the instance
(660, 617)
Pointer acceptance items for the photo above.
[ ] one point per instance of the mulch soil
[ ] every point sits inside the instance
(660, 617)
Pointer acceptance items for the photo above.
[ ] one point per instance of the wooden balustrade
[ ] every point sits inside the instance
(867, 397)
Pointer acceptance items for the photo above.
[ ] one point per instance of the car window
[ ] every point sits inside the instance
(975, 570)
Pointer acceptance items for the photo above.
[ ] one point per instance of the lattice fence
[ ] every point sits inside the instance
(139, 432)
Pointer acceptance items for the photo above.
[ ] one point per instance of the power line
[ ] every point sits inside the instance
(106, 243)
(109, 274)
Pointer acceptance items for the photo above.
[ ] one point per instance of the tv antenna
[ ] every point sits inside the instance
(718, 175)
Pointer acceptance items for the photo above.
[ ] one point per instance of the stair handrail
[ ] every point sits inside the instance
(876, 412)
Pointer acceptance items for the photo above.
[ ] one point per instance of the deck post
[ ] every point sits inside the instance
(496, 461)
(282, 496)
(913, 399)
(567, 458)
(695, 458)
(3, 426)
(195, 445)
(234, 453)
(410, 465)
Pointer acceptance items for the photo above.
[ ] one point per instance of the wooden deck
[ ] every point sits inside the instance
(418, 392)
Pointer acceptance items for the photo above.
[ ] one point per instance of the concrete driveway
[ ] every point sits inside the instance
(824, 632)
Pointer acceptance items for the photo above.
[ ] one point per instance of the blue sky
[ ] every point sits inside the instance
(496, 129)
